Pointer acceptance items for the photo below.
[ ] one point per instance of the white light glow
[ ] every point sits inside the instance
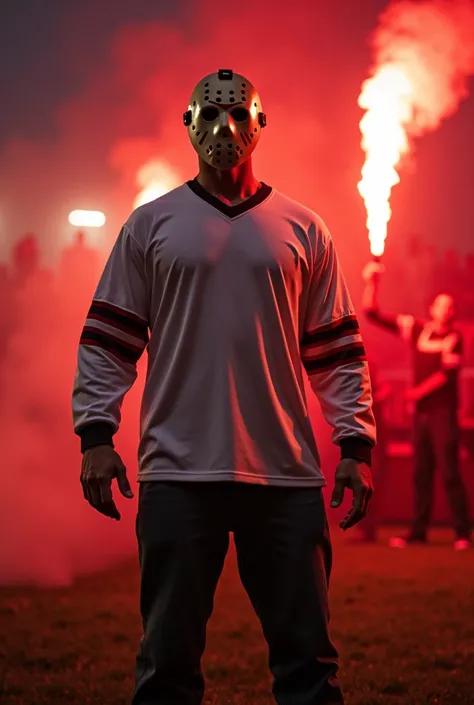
(87, 219)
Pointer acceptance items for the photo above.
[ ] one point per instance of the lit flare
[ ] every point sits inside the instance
(386, 98)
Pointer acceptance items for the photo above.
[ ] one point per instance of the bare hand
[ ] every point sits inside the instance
(372, 271)
(355, 475)
(100, 465)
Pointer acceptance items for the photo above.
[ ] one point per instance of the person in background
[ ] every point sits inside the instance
(466, 281)
(26, 259)
(30, 278)
(437, 357)
(78, 271)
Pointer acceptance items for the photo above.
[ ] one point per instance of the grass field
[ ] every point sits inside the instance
(403, 620)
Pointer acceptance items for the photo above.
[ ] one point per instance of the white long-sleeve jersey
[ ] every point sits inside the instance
(232, 303)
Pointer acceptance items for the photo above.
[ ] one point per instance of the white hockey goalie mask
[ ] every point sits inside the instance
(224, 119)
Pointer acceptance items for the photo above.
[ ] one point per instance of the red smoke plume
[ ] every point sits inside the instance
(433, 43)
(423, 56)
(131, 109)
(128, 115)
(49, 534)
(306, 66)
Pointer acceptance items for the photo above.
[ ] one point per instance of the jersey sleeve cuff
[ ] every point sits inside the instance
(96, 434)
(357, 448)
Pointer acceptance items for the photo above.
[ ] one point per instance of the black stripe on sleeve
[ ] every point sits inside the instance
(336, 358)
(114, 315)
(112, 345)
(348, 326)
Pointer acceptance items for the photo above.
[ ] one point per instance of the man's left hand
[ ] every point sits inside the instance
(356, 476)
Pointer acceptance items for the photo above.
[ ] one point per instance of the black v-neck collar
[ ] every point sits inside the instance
(230, 211)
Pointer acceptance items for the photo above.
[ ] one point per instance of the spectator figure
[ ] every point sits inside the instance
(437, 350)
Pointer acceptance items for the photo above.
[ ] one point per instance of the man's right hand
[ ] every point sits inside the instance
(100, 465)
(372, 271)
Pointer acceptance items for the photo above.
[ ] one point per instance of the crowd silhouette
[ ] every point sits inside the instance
(42, 314)
(426, 270)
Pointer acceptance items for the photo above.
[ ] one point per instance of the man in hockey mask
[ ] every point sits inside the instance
(236, 290)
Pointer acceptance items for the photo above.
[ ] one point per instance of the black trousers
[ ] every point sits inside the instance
(437, 446)
(284, 558)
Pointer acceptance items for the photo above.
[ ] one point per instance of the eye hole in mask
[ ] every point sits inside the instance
(209, 114)
(239, 114)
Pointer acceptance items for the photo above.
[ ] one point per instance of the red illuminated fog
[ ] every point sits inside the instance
(122, 135)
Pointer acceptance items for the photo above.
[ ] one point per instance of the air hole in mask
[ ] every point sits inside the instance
(206, 84)
(219, 92)
(218, 100)
(244, 84)
(218, 153)
(197, 133)
(231, 92)
(194, 102)
(255, 130)
(229, 146)
(194, 127)
(218, 145)
(232, 100)
(218, 161)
